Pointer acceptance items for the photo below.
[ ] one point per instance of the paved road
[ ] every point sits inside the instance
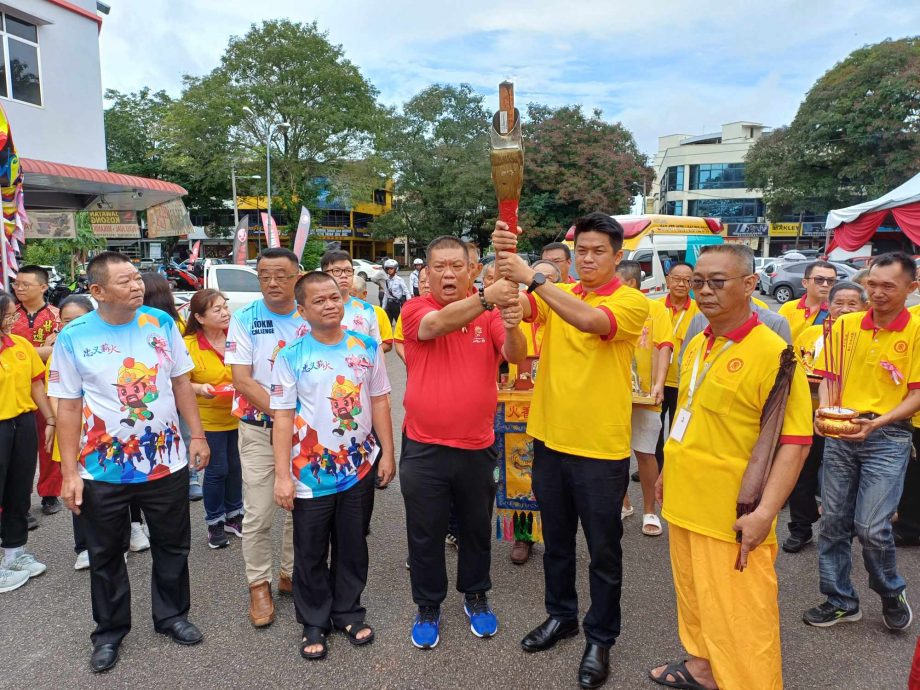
(46, 624)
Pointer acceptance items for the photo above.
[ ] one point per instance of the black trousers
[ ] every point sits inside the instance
(570, 488)
(908, 525)
(79, 538)
(324, 594)
(433, 478)
(18, 457)
(803, 506)
(106, 525)
(668, 410)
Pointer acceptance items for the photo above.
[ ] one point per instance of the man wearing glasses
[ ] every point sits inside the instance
(38, 322)
(559, 254)
(811, 310)
(257, 333)
(359, 315)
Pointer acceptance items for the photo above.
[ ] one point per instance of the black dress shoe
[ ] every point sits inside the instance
(104, 657)
(634, 476)
(595, 663)
(795, 543)
(548, 634)
(183, 632)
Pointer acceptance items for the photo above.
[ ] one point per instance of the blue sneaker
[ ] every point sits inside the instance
(425, 630)
(483, 622)
(195, 492)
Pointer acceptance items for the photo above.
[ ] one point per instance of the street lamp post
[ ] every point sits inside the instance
(233, 176)
(271, 129)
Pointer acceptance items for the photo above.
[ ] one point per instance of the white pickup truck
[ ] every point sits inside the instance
(239, 285)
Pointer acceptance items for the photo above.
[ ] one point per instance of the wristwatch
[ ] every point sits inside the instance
(484, 301)
(538, 280)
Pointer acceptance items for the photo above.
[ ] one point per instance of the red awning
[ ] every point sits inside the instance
(50, 185)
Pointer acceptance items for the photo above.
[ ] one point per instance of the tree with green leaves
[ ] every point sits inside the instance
(575, 164)
(856, 135)
(438, 147)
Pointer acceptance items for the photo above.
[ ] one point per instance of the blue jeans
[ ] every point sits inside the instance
(861, 486)
(223, 478)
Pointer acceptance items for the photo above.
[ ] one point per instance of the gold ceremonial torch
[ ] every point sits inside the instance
(507, 155)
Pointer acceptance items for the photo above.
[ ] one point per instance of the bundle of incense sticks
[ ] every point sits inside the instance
(834, 359)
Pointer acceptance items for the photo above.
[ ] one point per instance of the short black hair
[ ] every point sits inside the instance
(602, 223)
(97, 270)
(675, 264)
(901, 259)
(810, 268)
(278, 253)
(446, 241)
(41, 274)
(300, 289)
(557, 245)
(847, 285)
(332, 256)
(630, 270)
(742, 253)
(81, 301)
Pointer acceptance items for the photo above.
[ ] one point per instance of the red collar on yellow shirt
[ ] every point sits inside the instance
(205, 344)
(809, 312)
(736, 335)
(604, 290)
(899, 323)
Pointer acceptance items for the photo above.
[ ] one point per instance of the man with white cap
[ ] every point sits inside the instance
(413, 277)
(395, 291)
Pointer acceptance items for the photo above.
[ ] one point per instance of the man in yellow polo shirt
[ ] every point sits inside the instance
(811, 310)
(879, 373)
(580, 422)
(682, 308)
(728, 620)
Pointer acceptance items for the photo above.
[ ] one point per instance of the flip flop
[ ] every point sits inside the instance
(651, 525)
(678, 671)
(626, 512)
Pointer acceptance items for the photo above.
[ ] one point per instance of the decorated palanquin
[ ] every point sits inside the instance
(517, 515)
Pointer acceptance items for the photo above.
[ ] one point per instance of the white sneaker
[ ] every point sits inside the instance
(82, 562)
(139, 540)
(12, 579)
(26, 562)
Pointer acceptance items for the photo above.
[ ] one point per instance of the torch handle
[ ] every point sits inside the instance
(508, 213)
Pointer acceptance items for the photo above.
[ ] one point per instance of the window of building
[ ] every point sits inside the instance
(674, 208)
(19, 62)
(717, 176)
(380, 196)
(728, 210)
(674, 179)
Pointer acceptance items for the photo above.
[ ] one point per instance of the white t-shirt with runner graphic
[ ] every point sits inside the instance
(123, 373)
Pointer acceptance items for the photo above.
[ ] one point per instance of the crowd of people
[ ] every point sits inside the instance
(286, 404)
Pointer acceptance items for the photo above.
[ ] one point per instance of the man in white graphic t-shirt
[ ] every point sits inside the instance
(122, 371)
(257, 334)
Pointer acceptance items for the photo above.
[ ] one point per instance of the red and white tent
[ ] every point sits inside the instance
(855, 225)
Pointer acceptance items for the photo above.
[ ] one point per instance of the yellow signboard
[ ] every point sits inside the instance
(785, 229)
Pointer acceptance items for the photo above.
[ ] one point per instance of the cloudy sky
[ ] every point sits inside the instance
(659, 66)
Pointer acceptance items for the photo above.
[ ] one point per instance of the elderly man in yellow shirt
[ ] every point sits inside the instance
(728, 620)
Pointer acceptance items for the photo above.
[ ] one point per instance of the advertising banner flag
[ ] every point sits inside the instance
(193, 256)
(303, 232)
(241, 241)
(271, 231)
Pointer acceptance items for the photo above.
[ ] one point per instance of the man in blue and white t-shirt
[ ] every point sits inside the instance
(257, 334)
(328, 390)
(123, 369)
(358, 316)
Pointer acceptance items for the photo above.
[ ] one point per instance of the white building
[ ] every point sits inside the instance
(703, 175)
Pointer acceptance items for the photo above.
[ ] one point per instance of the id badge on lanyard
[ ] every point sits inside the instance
(682, 418)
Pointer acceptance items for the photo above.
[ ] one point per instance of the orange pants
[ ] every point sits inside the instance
(728, 617)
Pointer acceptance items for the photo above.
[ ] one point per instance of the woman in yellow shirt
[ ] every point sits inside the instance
(205, 338)
(22, 391)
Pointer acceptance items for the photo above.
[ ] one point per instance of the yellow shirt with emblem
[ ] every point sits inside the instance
(680, 322)
(915, 312)
(656, 334)
(383, 325)
(582, 400)
(21, 365)
(703, 470)
(879, 365)
(210, 368)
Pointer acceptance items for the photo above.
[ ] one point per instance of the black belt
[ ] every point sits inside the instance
(265, 424)
(904, 424)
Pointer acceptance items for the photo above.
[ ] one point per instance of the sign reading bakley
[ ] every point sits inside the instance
(748, 229)
(784, 229)
(115, 224)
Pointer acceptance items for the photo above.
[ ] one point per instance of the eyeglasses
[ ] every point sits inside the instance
(821, 280)
(712, 283)
(10, 318)
(339, 272)
(280, 279)
(680, 281)
(19, 285)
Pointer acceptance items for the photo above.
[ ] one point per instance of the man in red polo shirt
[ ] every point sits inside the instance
(38, 322)
(454, 343)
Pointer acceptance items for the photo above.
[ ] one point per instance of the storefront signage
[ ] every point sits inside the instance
(748, 229)
(168, 220)
(115, 224)
(813, 229)
(784, 229)
(51, 225)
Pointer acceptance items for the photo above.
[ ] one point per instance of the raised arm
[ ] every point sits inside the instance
(454, 316)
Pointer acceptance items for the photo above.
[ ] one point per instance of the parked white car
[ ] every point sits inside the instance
(369, 271)
(239, 284)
